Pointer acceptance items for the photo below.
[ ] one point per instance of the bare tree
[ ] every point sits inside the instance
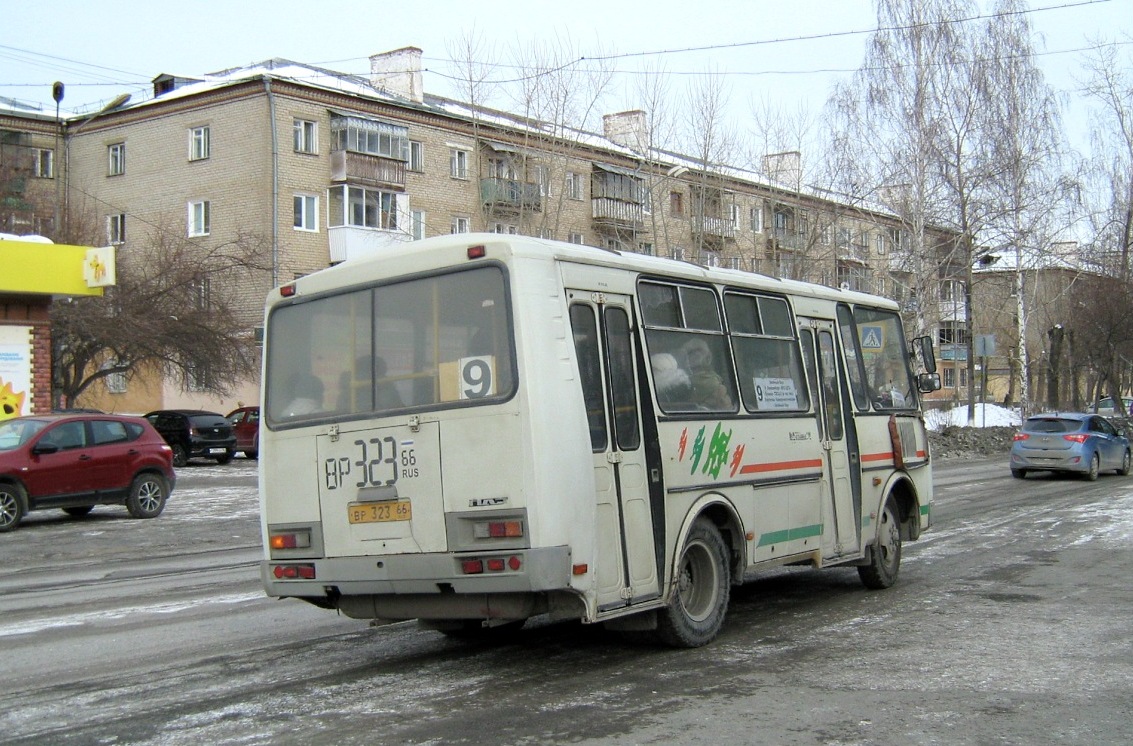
(1027, 150)
(1110, 85)
(174, 309)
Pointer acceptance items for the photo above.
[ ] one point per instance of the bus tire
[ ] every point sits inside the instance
(885, 554)
(701, 589)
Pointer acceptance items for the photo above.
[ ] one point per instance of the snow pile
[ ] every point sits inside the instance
(987, 415)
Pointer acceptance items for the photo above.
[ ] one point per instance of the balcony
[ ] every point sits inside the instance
(360, 168)
(710, 226)
(617, 213)
(509, 194)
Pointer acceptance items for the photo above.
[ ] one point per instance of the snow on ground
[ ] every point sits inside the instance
(987, 415)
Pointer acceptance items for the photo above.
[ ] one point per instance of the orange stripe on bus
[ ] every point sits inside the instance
(780, 465)
(877, 456)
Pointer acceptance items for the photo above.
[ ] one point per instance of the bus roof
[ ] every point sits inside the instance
(442, 251)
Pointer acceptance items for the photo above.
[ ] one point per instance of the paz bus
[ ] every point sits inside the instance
(472, 430)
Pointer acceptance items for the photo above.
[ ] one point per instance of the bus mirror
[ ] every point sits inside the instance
(923, 346)
(928, 382)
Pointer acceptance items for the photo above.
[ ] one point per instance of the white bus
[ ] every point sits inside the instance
(475, 429)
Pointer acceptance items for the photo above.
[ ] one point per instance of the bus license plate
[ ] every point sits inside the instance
(383, 512)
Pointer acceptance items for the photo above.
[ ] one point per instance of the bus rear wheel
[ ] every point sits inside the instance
(885, 554)
(696, 611)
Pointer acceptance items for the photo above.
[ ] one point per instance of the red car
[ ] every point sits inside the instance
(78, 461)
(246, 424)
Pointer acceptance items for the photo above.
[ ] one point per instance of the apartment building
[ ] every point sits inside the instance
(316, 167)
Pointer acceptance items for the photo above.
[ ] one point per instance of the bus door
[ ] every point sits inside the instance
(841, 490)
(625, 553)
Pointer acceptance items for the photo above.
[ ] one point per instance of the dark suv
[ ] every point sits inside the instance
(75, 462)
(193, 433)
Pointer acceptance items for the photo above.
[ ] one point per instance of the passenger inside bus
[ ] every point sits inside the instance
(709, 389)
(306, 395)
(674, 387)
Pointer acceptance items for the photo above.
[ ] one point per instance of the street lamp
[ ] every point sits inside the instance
(68, 132)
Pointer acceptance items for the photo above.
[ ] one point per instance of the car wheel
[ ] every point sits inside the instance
(696, 611)
(147, 496)
(12, 508)
(222, 460)
(1126, 465)
(1019, 473)
(1095, 468)
(885, 554)
(78, 511)
(180, 455)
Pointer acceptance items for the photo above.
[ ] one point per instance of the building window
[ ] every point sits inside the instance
(199, 148)
(197, 376)
(505, 228)
(547, 233)
(757, 218)
(574, 186)
(115, 382)
(679, 254)
(361, 207)
(371, 137)
(201, 294)
(116, 229)
(460, 225)
(646, 248)
(418, 224)
(199, 218)
(574, 237)
(416, 156)
(458, 163)
(542, 175)
(306, 212)
(879, 243)
(44, 166)
(953, 333)
(677, 204)
(735, 262)
(826, 233)
(306, 136)
(116, 159)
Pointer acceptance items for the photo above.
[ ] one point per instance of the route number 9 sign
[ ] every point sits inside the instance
(468, 378)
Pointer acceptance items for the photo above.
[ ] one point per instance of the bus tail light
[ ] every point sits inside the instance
(294, 572)
(290, 540)
(477, 252)
(480, 565)
(497, 529)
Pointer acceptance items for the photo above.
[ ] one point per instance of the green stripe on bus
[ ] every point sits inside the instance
(790, 534)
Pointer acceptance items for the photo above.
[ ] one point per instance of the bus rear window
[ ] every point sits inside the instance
(426, 342)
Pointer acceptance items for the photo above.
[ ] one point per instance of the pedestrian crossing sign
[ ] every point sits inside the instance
(872, 338)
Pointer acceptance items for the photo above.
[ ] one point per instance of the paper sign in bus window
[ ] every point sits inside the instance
(775, 393)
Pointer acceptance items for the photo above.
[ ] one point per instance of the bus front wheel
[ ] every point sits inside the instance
(699, 602)
(885, 554)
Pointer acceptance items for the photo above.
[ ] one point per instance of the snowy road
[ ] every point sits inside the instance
(1010, 624)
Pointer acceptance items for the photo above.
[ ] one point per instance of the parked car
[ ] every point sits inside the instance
(246, 424)
(1069, 441)
(78, 461)
(194, 433)
(1104, 406)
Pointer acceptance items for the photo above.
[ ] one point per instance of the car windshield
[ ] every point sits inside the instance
(1052, 425)
(14, 433)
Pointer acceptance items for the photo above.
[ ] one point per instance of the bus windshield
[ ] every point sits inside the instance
(420, 343)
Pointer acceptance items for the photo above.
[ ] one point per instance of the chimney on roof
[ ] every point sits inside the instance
(399, 72)
(627, 128)
(785, 168)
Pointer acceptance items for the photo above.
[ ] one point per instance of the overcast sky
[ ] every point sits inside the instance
(784, 50)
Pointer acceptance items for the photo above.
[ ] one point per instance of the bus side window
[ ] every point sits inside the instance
(585, 328)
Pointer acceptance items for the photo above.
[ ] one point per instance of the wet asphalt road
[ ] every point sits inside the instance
(1009, 625)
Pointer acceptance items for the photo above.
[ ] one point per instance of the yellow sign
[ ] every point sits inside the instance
(51, 268)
